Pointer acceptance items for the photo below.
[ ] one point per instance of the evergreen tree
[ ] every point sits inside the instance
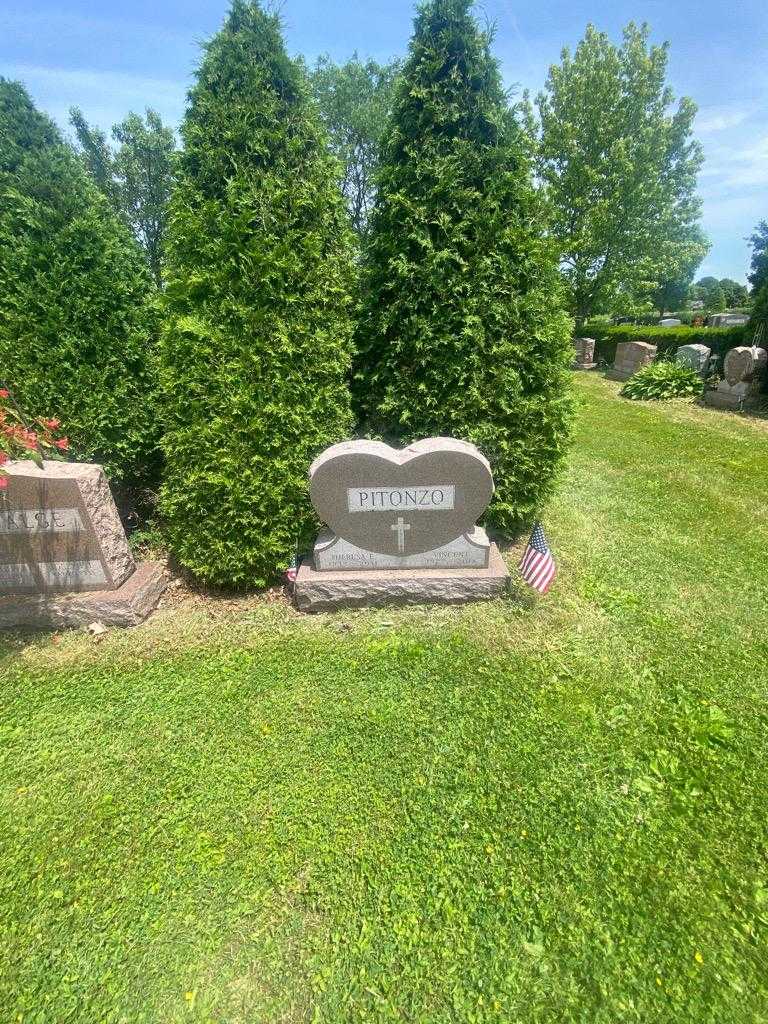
(462, 330)
(717, 300)
(256, 344)
(76, 326)
(758, 321)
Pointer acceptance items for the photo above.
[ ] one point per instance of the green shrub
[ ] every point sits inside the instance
(663, 380)
(667, 339)
(462, 330)
(255, 349)
(76, 322)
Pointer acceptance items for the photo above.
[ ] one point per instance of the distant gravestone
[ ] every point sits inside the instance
(670, 321)
(631, 356)
(697, 357)
(584, 354)
(401, 526)
(60, 535)
(728, 319)
(744, 373)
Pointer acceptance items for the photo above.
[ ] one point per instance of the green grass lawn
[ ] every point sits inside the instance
(530, 811)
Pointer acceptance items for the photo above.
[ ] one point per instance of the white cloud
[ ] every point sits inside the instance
(719, 119)
(742, 166)
(105, 96)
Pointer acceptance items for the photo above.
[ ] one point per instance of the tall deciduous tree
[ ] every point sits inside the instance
(462, 331)
(135, 175)
(76, 327)
(720, 294)
(355, 100)
(675, 278)
(255, 350)
(735, 294)
(618, 167)
(758, 275)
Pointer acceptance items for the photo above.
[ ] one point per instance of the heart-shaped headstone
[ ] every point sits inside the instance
(401, 502)
(742, 363)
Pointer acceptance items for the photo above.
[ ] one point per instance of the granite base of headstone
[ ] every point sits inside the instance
(631, 356)
(401, 527)
(64, 556)
(741, 388)
(584, 354)
(695, 357)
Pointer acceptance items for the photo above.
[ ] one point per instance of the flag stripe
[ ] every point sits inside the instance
(541, 571)
(531, 560)
(537, 566)
(546, 578)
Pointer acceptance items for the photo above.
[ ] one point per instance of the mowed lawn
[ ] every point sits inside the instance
(532, 811)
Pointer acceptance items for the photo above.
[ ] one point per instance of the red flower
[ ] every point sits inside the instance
(5, 393)
(62, 443)
(3, 482)
(51, 424)
(3, 458)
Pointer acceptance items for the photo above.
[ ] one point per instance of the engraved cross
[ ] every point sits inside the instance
(400, 527)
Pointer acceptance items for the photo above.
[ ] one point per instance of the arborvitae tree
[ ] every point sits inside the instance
(758, 275)
(76, 326)
(256, 345)
(462, 330)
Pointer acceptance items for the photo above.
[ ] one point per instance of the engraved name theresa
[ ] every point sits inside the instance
(434, 497)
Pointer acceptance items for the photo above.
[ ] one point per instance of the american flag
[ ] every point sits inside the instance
(538, 566)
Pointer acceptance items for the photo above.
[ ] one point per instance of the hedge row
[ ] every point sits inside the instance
(77, 322)
(667, 339)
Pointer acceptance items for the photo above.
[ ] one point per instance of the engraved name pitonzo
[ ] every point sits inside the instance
(432, 498)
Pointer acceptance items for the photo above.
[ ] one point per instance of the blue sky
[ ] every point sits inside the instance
(109, 58)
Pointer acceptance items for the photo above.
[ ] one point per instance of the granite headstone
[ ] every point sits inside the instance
(631, 356)
(61, 536)
(744, 373)
(696, 357)
(399, 520)
(584, 354)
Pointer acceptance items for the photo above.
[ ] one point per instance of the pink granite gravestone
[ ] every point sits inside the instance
(61, 536)
(402, 526)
